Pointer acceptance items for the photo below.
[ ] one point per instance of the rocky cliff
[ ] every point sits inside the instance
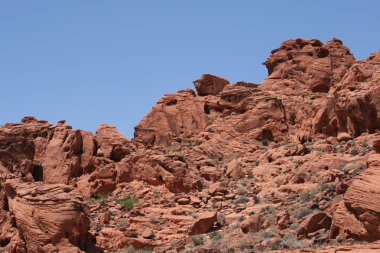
(292, 163)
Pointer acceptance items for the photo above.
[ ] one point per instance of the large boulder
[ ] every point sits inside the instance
(314, 222)
(210, 85)
(112, 144)
(203, 223)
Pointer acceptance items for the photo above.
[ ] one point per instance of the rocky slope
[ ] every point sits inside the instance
(290, 164)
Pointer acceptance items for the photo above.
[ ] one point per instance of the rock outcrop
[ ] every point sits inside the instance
(210, 85)
(291, 164)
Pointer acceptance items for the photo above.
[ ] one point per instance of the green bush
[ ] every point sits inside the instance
(98, 198)
(128, 203)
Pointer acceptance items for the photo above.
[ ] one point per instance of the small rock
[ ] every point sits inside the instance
(234, 169)
(342, 136)
(130, 233)
(195, 201)
(183, 201)
(147, 233)
(283, 219)
(230, 196)
(105, 218)
(217, 198)
(252, 224)
(238, 208)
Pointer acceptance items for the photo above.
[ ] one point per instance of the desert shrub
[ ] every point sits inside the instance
(250, 175)
(321, 187)
(268, 234)
(194, 215)
(270, 217)
(220, 218)
(291, 242)
(294, 226)
(268, 209)
(242, 190)
(198, 240)
(128, 249)
(98, 198)
(265, 142)
(122, 224)
(242, 245)
(354, 152)
(174, 243)
(224, 184)
(263, 235)
(128, 203)
(241, 200)
(302, 212)
(156, 194)
(145, 250)
(230, 250)
(306, 197)
(215, 235)
(356, 169)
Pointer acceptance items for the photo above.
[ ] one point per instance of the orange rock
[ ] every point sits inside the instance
(47, 214)
(210, 85)
(313, 223)
(203, 224)
(358, 216)
(252, 224)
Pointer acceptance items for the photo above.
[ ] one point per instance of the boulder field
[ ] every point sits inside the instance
(288, 165)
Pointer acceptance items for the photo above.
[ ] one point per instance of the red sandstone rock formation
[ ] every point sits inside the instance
(288, 164)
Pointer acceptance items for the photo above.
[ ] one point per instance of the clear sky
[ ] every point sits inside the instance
(109, 61)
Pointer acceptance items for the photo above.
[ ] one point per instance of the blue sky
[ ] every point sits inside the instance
(109, 61)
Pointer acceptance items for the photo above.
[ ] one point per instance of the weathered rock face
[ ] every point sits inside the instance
(111, 144)
(358, 216)
(291, 163)
(300, 65)
(47, 215)
(353, 106)
(174, 114)
(49, 153)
